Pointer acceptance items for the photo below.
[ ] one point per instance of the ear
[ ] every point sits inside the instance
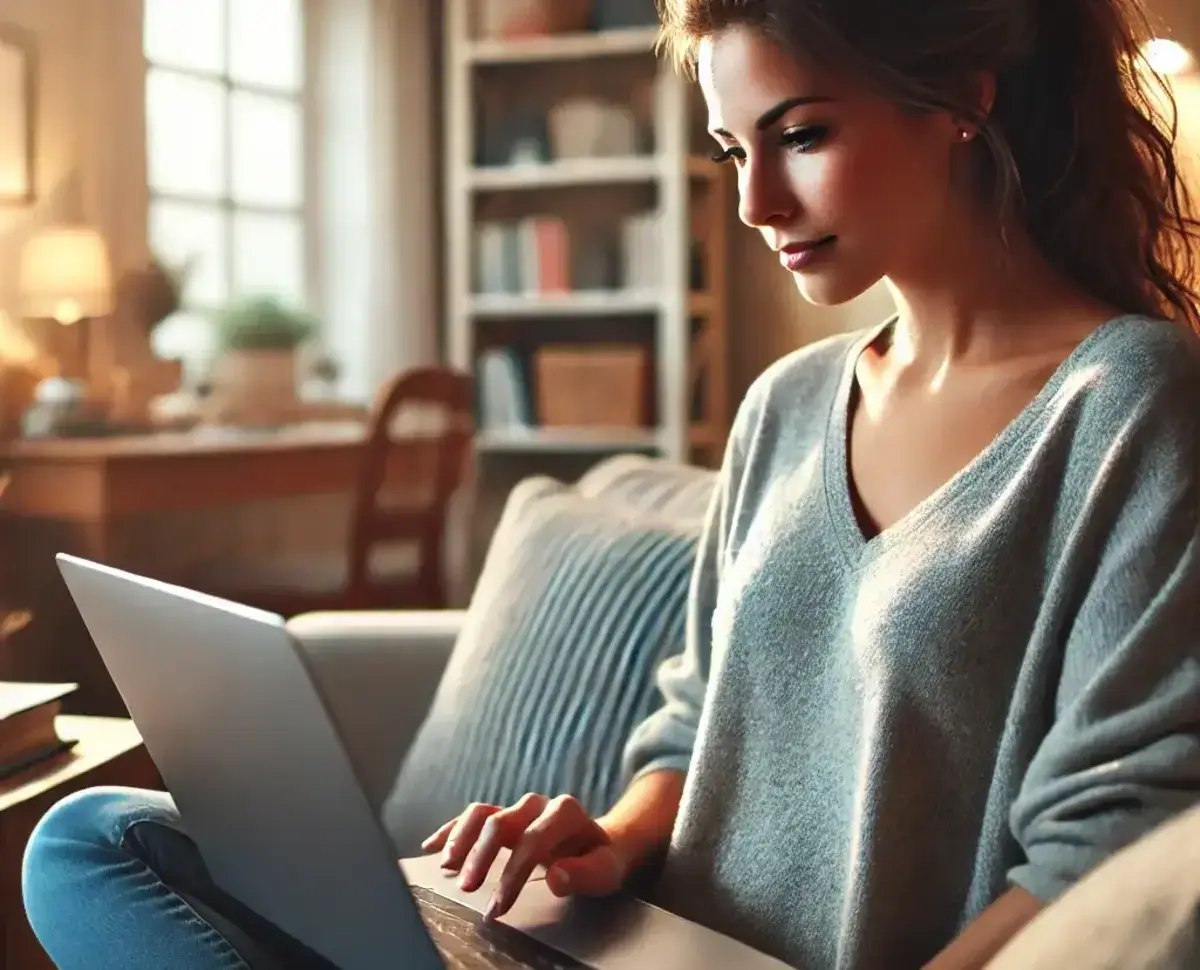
(979, 94)
(977, 97)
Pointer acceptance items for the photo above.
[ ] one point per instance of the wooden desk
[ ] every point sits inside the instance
(86, 496)
(109, 752)
(93, 481)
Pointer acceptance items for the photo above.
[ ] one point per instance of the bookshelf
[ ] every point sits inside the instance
(668, 291)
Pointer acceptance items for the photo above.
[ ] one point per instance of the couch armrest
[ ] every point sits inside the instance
(377, 673)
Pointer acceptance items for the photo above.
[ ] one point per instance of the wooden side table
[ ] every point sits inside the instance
(109, 752)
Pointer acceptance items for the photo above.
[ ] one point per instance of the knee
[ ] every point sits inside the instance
(78, 841)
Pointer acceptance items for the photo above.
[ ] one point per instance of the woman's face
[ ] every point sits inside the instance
(846, 186)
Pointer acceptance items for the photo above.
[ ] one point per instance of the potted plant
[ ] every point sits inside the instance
(255, 378)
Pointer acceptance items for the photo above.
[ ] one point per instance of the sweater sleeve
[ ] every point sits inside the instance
(666, 738)
(1123, 752)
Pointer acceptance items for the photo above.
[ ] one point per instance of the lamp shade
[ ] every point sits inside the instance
(65, 275)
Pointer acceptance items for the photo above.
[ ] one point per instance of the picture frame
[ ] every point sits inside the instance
(18, 106)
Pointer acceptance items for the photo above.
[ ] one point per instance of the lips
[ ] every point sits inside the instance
(797, 256)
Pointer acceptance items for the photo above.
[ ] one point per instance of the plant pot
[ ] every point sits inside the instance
(255, 386)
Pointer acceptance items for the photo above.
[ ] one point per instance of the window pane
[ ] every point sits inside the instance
(266, 43)
(186, 33)
(185, 134)
(190, 337)
(267, 150)
(193, 234)
(268, 256)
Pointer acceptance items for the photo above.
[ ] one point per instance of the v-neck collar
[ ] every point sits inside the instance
(837, 480)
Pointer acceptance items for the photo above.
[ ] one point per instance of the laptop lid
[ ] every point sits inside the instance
(226, 706)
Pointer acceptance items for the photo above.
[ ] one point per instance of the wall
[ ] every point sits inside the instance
(1187, 101)
(90, 161)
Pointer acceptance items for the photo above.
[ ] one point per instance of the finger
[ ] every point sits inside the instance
(559, 822)
(597, 873)
(465, 832)
(503, 830)
(435, 842)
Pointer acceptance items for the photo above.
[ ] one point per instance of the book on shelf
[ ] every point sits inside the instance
(525, 256)
(28, 729)
(641, 250)
(503, 399)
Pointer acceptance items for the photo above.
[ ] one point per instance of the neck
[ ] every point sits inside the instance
(970, 298)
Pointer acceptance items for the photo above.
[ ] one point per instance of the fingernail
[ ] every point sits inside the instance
(448, 855)
(558, 880)
(493, 909)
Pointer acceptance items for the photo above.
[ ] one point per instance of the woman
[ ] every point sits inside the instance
(942, 655)
(946, 627)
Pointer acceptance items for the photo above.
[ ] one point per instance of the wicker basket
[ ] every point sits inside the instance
(593, 386)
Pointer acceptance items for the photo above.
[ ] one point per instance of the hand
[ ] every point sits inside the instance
(578, 853)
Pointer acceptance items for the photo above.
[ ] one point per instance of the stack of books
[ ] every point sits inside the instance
(28, 730)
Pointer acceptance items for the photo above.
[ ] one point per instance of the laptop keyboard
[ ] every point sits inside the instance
(467, 942)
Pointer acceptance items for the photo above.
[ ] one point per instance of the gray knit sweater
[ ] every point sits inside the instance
(1002, 689)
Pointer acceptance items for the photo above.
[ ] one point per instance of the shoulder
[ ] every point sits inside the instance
(1127, 409)
(1137, 379)
(1138, 362)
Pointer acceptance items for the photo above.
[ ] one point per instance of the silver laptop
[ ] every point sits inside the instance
(228, 710)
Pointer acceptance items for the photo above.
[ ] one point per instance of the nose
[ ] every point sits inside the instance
(765, 198)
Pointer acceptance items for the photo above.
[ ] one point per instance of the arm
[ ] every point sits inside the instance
(988, 934)
(1122, 754)
(640, 824)
(664, 741)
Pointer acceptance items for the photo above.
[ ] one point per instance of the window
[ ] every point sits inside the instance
(225, 153)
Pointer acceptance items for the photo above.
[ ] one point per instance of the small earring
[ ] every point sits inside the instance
(964, 134)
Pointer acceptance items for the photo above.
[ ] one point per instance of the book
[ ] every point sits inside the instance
(28, 730)
(530, 257)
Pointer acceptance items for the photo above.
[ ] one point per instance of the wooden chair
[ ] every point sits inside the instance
(429, 466)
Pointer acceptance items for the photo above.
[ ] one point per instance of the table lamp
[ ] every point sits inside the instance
(65, 276)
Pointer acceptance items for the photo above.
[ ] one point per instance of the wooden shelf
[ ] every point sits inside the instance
(575, 171)
(583, 303)
(583, 171)
(682, 186)
(563, 47)
(703, 169)
(586, 303)
(700, 304)
(567, 440)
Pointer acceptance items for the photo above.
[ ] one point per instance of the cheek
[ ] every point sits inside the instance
(874, 194)
(841, 188)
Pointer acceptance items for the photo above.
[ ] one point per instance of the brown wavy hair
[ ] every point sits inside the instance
(1080, 143)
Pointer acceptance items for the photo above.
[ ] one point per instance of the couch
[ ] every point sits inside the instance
(380, 674)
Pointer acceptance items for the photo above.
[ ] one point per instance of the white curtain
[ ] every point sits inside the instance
(373, 144)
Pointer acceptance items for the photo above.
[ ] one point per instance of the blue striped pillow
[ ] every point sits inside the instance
(578, 604)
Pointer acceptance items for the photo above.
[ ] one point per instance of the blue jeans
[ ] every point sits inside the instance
(111, 880)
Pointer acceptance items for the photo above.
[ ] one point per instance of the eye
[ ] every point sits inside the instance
(731, 154)
(805, 138)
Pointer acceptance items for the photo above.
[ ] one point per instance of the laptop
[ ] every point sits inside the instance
(231, 714)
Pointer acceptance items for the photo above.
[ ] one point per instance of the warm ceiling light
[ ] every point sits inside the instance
(1167, 57)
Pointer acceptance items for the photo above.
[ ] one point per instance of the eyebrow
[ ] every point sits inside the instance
(772, 115)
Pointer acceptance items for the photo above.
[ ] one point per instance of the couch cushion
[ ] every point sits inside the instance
(653, 485)
(579, 602)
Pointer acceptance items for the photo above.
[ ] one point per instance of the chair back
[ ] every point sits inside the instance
(418, 452)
